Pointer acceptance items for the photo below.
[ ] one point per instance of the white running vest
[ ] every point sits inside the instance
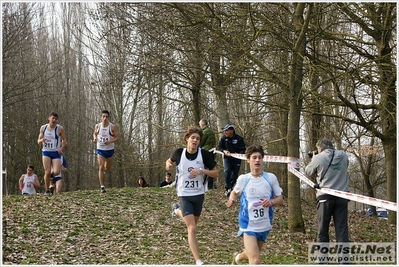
(53, 142)
(28, 185)
(105, 133)
(252, 215)
(186, 184)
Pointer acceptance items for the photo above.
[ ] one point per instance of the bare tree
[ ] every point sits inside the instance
(285, 75)
(361, 73)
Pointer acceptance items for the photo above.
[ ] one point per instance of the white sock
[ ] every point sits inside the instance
(238, 258)
(199, 262)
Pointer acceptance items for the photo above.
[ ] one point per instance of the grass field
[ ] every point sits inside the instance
(134, 226)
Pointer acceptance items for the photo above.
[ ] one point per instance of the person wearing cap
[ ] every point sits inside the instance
(231, 143)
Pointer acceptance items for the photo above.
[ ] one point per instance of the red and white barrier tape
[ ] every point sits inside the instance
(295, 163)
(347, 195)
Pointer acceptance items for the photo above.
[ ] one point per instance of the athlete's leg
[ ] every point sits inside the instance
(58, 186)
(101, 169)
(191, 223)
(47, 171)
(107, 164)
(251, 252)
(56, 166)
(244, 256)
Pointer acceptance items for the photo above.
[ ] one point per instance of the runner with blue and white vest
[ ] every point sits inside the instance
(52, 138)
(105, 135)
(260, 192)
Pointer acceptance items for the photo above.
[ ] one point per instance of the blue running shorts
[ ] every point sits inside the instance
(260, 236)
(106, 153)
(51, 154)
(57, 178)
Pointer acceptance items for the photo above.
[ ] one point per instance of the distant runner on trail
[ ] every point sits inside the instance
(260, 191)
(191, 164)
(29, 182)
(105, 135)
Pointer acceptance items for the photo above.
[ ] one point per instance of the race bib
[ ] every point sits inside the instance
(50, 143)
(257, 211)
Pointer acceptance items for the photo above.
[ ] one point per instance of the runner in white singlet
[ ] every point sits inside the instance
(260, 191)
(105, 135)
(191, 164)
(53, 139)
(29, 182)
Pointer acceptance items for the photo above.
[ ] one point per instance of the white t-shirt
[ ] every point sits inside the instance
(252, 215)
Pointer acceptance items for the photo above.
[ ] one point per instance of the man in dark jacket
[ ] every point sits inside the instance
(330, 166)
(230, 143)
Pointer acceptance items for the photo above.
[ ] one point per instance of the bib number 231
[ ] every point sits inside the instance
(191, 184)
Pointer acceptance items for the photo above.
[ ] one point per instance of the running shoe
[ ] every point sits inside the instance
(103, 189)
(234, 259)
(227, 192)
(199, 262)
(174, 208)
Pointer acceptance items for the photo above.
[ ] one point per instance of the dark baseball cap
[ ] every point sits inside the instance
(228, 127)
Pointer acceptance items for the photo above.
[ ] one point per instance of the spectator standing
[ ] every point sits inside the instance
(230, 143)
(208, 141)
(105, 135)
(29, 182)
(330, 166)
(192, 163)
(260, 192)
(52, 137)
(167, 182)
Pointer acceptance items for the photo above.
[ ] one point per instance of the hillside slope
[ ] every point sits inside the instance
(135, 226)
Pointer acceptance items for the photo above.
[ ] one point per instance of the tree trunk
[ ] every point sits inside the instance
(295, 220)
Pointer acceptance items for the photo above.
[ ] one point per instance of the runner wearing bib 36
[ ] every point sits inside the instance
(260, 191)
